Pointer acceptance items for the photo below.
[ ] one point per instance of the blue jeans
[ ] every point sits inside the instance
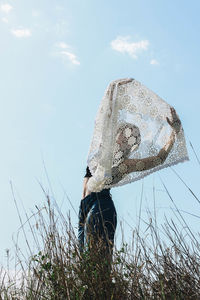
(97, 219)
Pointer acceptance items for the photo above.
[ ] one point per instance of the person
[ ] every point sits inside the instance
(97, 218)
(97, 213)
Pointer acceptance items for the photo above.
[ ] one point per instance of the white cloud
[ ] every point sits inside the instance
(21, 33)
(5, 20)
(154, 62)
(66, 52)
(63, 45)
(6, 7)
(71, 56)
(124, 45)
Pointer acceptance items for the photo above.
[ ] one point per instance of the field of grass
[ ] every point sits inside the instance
(148, 268)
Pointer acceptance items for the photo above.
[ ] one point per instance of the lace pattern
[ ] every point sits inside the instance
(129, 134)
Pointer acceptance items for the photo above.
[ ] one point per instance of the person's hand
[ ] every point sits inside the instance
(175, 123)
(85, 188)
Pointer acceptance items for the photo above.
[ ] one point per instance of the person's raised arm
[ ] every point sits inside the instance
(134, 165)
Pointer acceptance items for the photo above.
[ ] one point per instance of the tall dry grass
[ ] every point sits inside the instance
(148, 268)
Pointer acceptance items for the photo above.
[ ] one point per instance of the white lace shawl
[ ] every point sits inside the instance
(130, 107)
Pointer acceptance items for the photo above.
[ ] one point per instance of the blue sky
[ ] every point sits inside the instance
(56, 59)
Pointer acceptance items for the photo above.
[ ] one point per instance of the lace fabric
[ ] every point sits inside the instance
(130, 132)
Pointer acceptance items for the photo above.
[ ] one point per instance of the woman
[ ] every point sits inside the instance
(97, 218)
(97, 214)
